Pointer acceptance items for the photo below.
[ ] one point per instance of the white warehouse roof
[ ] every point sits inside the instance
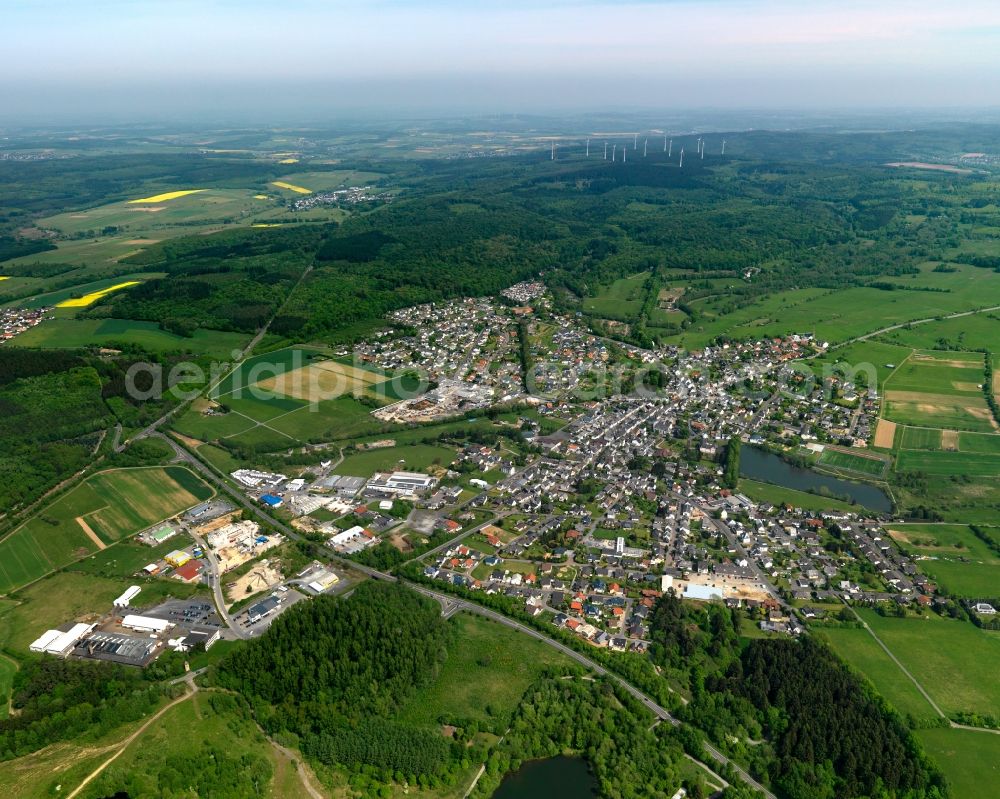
(145, 623)
(128, 596)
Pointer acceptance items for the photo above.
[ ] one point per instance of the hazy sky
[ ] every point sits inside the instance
(310, 57)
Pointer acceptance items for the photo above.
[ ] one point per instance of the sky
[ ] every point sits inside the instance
(310, 58)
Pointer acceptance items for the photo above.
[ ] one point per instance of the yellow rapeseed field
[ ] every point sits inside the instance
(261, 197)
(288, 161)
(267, 224)
(4, 277)
(291, 187)
(94, 296)
(170, 195)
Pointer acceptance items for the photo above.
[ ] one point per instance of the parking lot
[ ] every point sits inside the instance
(195, 612)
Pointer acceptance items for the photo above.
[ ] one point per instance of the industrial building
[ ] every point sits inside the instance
(263, 608)
(352, 540)
(128, 596)
(251, 478)
(178, 558)
(146, 624)
(129, 650)
(59, 642)
(323, 581)
(400, 483)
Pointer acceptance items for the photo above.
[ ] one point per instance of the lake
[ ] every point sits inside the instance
(759, 464)
(563, 777)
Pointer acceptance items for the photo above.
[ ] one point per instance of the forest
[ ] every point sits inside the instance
(814, 719)
(333, 672)
(55, 406)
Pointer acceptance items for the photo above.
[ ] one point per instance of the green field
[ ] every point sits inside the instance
(620, 300)
(413, 457)
(767, 492)
(920, 438)
(487, 671)
(973, 332)
(854, 358)
(952, 556)
(970, 760)
(839, 315)
(974, 442)
(852, 462)
(966, 413)
(949, 463)
(939, 374)
(115, 504)
(70, 333)
(863, 653)
(185, 732)
(953, 660)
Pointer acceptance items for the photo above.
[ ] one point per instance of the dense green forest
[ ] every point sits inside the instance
(333, 672)
(54, 408)
(815, 720)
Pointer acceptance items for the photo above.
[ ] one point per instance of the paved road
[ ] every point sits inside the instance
(216, 577)
(451, 605)
(657, 710)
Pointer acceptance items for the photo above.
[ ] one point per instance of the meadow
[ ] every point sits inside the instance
(972, 464)
(973, 332)
(776, 495)
(862, 652)
(884, 357)
(72, 333)
(111, 505)
(953, 556)
(869, 465)
(487, 672)
(953, 660)
(621, 300)
(920, 438)
(412, 457)
(970, 760)
(840, 315)
(941, 373)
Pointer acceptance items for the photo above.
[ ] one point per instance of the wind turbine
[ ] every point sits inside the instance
(645, 144)
(605, 151)
(553, 151)
(588, 147)
(635, 142)
(664, 144)
(624, 150)
(681, 164)
(670, 149)
(723, 146)
(614, 150)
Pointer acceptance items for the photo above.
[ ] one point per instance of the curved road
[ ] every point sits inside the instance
(455, 603)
